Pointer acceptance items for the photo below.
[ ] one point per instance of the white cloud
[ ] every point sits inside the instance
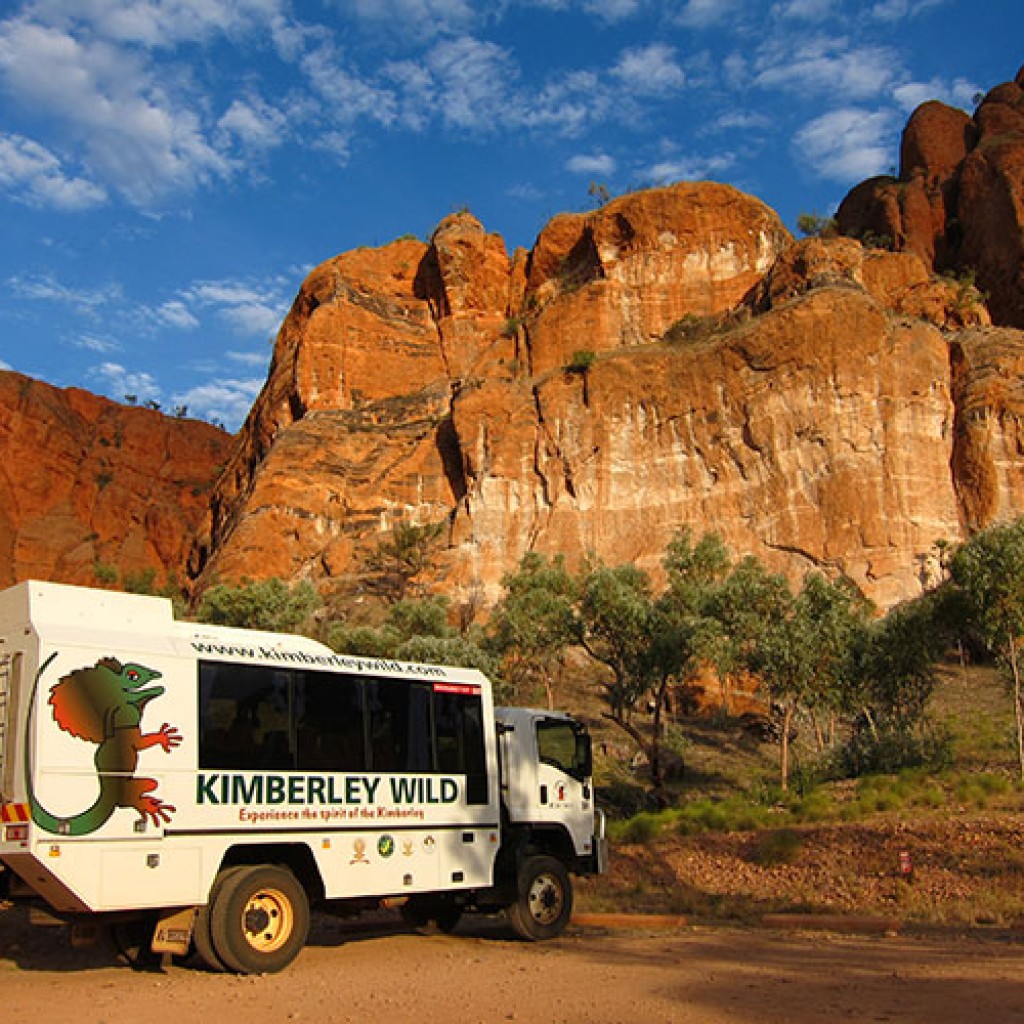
(348, 95)
(116, 381)
(612, 10)
(897, 10)
(249, 358)
(595, 163)
(824, 65)
(804, 10)
(695, 168)
(706, 13)
(176, 314)
(649, 70)
(105, 100)
(226, 401)
(159, 23)
(525, 191)
(959, 93)
(253, 310)
(568, 104)
(255, 122)
(32, 174)
(741, 120)
(91, 343)
(473, 78)
(736, 70)
(848, 145)
(46, 288)
(429, 16)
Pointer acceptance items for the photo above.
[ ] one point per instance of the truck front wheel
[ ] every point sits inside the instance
(259, 920)
(544, 901)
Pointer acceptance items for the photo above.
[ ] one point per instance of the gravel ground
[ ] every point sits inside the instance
(694, 976)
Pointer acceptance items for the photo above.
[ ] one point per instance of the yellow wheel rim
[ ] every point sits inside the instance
(268, 920)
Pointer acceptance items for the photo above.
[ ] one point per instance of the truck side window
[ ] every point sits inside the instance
(459, 733)
(244, 717)
(329, 723)
(399, 726)
(558, 746)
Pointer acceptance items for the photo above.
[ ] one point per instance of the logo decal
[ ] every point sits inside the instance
(386, 846)
(103, 704)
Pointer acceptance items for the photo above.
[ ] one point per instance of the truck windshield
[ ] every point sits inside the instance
(564, 745)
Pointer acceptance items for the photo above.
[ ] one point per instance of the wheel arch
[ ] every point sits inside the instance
(297, 857)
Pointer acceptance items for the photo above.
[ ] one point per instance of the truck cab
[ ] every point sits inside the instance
(546, 766)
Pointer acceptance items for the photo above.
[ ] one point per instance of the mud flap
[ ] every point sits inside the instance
(173, 932)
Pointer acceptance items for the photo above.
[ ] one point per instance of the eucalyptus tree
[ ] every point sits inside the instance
(803, 647)
(533, 623)
(621, 626)
(268, 604)
(989, 571)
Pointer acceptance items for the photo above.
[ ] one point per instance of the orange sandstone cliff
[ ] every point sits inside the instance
(93, 492)
(672, 359)
(959, 199)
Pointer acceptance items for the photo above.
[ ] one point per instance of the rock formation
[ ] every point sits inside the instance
(669, 360)
(97, 493)
(959, 199)
(672, 359)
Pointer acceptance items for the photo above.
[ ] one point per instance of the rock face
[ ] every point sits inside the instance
(672, 359)
(669, 360)
(959, 199)
(371, 415)
(97, 493)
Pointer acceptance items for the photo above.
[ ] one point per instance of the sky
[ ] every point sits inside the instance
(170, 170)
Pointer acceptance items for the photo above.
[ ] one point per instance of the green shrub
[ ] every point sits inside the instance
(892, 750)
(780, 846)
(582, 360)
(641, 828)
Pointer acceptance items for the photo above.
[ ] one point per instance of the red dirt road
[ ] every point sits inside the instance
(712, 976)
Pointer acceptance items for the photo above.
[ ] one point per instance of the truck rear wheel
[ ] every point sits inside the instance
(259, 920)
(544, 902)
(202, 933)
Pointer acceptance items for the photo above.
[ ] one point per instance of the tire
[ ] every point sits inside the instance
(260, 920)
(544, 903)
(202, 935)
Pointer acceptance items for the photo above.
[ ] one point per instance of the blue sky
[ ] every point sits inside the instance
(171, 169)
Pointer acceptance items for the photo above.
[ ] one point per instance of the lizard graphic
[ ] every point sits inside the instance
(103, 704)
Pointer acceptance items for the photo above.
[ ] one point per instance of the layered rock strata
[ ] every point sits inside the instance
(669, 360)
(97, 493)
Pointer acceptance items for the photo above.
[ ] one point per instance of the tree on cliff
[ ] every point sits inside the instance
(989, 571)
(395, 561)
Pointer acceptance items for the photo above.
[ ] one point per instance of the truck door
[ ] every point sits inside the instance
(563, 775)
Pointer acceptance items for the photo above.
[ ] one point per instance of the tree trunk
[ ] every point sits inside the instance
(1018, 708)
(787, 718)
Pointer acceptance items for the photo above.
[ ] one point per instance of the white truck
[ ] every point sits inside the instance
(200, 787)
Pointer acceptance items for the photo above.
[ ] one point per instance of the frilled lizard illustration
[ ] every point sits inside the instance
(103, 704)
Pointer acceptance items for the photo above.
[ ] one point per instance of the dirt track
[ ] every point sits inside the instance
(350, 973)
